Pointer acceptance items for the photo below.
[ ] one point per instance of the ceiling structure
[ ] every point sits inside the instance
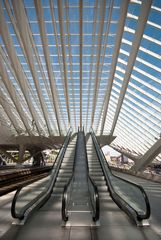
(82, 63)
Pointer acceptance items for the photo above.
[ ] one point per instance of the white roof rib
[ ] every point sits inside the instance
(67, 63)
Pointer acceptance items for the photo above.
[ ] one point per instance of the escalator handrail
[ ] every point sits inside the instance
(96, 208)
(45, 194)
(103, 161)
(64, 210)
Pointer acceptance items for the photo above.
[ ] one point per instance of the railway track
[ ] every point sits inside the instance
(12, 179)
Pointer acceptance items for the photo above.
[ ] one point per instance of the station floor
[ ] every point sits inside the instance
(153, 191)
(114, 224)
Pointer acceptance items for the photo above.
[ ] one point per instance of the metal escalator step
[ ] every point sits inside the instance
(99, 183)
(70, 150)
(94, 170)
(67, 161)
(68, 158)
(60, 184)
(104, 195)
(65, 171)
(57, 190)
(67, 164)
(94, 165)
(97, 178)
(102, 188)
(92, 154)
(68, 168)
(62, 179)
(93, 161)
(97, 174)
(64, 176)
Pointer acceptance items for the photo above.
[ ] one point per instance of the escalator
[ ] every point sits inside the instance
(80, 202)
(88, 195)
(26, 202)
(82, 178)
(128, 196)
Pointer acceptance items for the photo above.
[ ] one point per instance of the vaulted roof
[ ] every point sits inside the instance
(82, 63)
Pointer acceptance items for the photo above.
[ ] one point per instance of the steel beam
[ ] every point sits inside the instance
(64, 57)
(148, 157)
(40, 16)
(145, 8)
(58, 47)
(14, 24)
(13, 95)
(120, 30)
(81, 53)
(18, 93)
(23, 25)
(126, 153)
(91, 61)
(7, 108)
(70, 58)
(17, 66)
(105, 139)
(111, 3)
(98, 54)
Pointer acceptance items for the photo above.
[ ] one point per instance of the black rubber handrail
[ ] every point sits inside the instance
(95, 205)
(45, 194)
(64, 210)
(122, 203)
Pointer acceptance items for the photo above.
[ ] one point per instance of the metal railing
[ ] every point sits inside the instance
(38, 198)
(129, 196)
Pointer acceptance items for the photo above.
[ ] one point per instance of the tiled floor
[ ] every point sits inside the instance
(47, 224)
(153, 191)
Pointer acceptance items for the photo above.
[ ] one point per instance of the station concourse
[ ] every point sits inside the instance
(77, 75)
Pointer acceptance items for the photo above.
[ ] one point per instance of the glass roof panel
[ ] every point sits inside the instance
(78, 53)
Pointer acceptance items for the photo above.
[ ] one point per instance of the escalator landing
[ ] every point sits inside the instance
(80, 219)
(47, 224)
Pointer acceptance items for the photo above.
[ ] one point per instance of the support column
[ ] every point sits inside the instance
(148, 157)
(38, 157)
(21, 153)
